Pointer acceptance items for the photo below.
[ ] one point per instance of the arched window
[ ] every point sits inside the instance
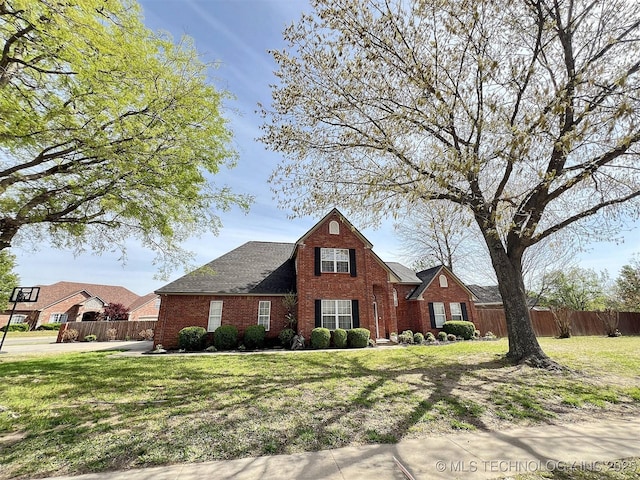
(334, 227)
(443, 281)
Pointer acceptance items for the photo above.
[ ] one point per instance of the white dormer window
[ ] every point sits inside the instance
(334, 228)
(443, 281)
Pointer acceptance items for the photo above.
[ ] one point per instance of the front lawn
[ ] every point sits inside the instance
(91, 412)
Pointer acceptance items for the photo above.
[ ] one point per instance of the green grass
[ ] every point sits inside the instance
(33, 334)
(92, 412)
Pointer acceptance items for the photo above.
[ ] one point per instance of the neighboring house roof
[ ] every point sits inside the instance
(490, 295)
(142, 301)
(486, 295)
(257, 268)
(57, 292)
(404, 274)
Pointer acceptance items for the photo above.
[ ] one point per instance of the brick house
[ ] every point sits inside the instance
(64, 302)
(338, 279)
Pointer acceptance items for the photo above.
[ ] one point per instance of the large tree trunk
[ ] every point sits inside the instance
(523, 344)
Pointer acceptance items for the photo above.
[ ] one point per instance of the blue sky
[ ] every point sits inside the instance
(236, 33)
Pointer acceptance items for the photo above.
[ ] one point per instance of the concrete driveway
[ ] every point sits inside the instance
(44, 345)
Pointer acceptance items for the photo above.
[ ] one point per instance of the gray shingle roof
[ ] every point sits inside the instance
(252, 268)
(425, 276)
(487, 294)
(406, 275)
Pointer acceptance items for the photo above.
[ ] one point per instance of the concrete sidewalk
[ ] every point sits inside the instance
(468, 456)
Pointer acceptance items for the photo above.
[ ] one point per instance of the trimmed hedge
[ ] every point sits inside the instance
(225, 337)
(320, 338)
(460, 329)
(340, 338)
(358, 338)
(192, 338)
(16, 327)
(49, 326)
(254, 337)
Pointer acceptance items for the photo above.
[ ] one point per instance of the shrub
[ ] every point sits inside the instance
(418, 338)
(442, 336)
(406, 337)
(49, 326)
(340, 338)
(476, 334)
(226, 337)
(358, 337)
(254, 336)
(490, 336)
(90, 338)
(451, 337)
(429, 337)
(320, 338)
(286, 336)
(112, 333)
(191, 338)
(460, 329)
(145, 334)
(70, 335)
(16, 327)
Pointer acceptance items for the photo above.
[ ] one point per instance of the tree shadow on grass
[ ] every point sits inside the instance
(153, 411)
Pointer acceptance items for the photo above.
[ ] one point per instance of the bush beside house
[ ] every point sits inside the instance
(320, 338)
(192, 338)
(459, 329)
(226, 337)
(254, 336)
(358, 337)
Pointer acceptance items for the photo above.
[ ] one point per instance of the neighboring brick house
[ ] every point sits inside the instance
(338, 279)
(64, 302)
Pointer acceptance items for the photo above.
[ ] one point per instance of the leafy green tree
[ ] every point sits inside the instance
(526, 113)
(107, 130)
(577, 289)
(628, 286)
(8, 279)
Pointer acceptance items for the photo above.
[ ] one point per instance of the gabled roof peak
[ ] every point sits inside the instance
(335, 212)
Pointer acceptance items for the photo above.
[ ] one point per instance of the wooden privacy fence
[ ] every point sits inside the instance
(582, 323)
(125, 330)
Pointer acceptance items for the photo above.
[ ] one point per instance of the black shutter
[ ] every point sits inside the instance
(318, 313)
(355, 313)
(317, 261)
(352, 262)
(463, 307)
(432, 315)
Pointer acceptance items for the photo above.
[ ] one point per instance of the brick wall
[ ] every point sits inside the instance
(68, 306)
(340, 286)
(148, 311)
(180, 311)
(414, 314)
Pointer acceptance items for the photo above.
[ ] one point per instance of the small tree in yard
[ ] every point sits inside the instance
(610, 319)
(524, 113)
(114, 312)
(562, 319)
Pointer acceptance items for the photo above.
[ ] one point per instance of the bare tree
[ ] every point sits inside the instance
(436, 234)
(526, 113)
